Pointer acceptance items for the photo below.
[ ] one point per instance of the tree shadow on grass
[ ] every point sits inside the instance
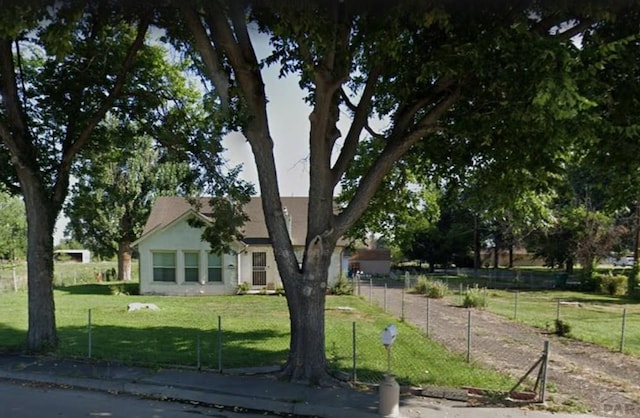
(106, 288)
(176, 346)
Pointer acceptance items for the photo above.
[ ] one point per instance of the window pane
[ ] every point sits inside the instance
(164, 275)
(191, 275)
(164, 267)
(164, 259)
(191, 259)
(214, 260)
(215, 274)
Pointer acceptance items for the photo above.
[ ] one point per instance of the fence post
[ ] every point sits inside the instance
(624, 323)
(198, 363)
(385, 297)
(89, 334)
(370, 290)
(402, 307)
(484, 298)
(460, 293)
(558, 311)
(353, 333)
(427, 327)
(219, 343)
(515, 307)
(468, 335)
(543, 372)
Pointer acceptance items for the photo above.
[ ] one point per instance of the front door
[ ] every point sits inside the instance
(259, 268)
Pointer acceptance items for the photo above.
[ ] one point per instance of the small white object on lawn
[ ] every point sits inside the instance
(136, 306)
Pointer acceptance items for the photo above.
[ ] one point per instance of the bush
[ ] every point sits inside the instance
(608, 284)
(434, 289)
(342, 287)
(473, 298)
(421, 285)
(243, 288)
(563, 329)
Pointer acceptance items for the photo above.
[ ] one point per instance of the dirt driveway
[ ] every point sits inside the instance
(578, 374)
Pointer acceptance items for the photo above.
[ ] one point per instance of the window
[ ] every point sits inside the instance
(191, 267)
(164, 267)
(214, 261)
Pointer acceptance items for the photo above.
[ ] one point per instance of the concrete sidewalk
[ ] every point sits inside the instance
(253, 393)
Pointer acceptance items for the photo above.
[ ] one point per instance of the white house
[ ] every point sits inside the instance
(174, 260)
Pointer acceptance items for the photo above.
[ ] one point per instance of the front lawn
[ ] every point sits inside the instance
(236, 331)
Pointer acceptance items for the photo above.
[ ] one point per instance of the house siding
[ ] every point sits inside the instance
(180, 238)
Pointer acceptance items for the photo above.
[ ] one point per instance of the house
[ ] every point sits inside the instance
(174, 260)
(374, 261)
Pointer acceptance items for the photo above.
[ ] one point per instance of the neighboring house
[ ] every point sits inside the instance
(174, 260)
(376, 261)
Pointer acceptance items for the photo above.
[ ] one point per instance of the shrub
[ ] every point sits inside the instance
(609, 284)
(473, 298)
(421, 285)
(437, 289)
(614, 285)
(243, 288)
(342, 287)
(434, 289)
(563, 329)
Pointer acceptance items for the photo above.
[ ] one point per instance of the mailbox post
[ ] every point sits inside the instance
(389, 405)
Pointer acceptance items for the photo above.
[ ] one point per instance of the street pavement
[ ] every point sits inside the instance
(257, 393)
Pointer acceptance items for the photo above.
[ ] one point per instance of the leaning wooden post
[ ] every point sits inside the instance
(545, 362)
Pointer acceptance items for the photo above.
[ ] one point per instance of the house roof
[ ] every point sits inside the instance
(369, 254)
(166, 210)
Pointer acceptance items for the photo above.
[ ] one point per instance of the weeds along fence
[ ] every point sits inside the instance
(606, 321)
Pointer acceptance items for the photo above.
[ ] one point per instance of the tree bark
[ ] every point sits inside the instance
(124, 260)
(42, 335)
(306, 301)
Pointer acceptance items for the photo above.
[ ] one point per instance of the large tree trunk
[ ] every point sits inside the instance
(42, 335)
(306, 301)
(124, 260)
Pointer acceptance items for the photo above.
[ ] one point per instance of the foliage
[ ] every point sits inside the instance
(434, 289)
(608, 284)
(243, 288)
(13, 228)
(562, 328)
(342, 287)
(473, 297)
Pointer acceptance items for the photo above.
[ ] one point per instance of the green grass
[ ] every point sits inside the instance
(254, 332)
(593, 318)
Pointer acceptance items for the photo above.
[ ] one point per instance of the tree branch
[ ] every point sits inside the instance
(576, 29)
(70, 152)
(360, 118)
(13, 131)
(217, 74)
(399, 143)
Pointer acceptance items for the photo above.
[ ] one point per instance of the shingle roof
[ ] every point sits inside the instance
(168, 209)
